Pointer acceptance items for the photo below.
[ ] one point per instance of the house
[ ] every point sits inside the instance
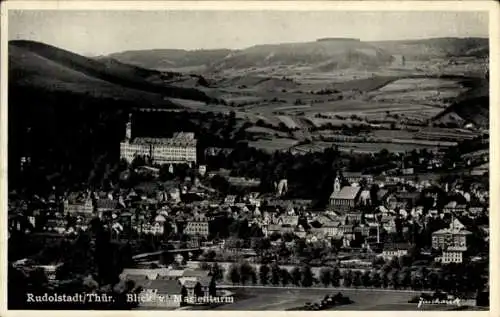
(268, 230)
(365, 198)
(150, 228)
(356, 177)
(346, 198)
(476, 211)
(346, 229)
(49, 270)
(452, 255)
(230, 200)
(56, 225)
(146, 273)
(347, 232)
(78, 206)
(243, 182)
(196, 282)
(362, 230)
(453, 208)
(354, 216)
(162, 294)
(454, 236)
(395, 250)
(106, 204)
(331, 229)
(388, 223)
(292, 221)
(198, 226)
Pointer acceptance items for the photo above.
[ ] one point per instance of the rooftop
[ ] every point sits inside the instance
(171, 287)
(178, 140)
(451, 231)
(347, 192)
(456, 249)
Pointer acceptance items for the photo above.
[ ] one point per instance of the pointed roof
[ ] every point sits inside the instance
(347, 192)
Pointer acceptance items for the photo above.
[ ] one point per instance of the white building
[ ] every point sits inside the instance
(181, 148)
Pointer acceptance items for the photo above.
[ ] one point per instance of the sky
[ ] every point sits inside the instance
(95, 33)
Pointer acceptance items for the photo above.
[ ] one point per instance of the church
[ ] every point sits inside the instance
(344, 198)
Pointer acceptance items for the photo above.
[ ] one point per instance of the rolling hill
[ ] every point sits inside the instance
(68, 112)
(471, 106)
(323, 55)
(436, 48)
(37, 65)
(164, 59)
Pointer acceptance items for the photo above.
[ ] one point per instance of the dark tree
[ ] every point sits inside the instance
(296, 276)
(307, 276)
(325, 276)
(234, 274)
(275, 274)
(264, 274)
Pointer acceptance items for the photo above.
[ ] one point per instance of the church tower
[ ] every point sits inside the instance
(336, 185)
(128, 129)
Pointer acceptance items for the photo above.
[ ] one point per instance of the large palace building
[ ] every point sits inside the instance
(181, 148)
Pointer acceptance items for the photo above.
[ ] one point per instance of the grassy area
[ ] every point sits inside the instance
(274, 144)
(283, 299)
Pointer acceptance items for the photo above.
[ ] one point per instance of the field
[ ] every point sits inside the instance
(276, 144)
(379, 101)
(369, 147)
(401, 104)
(285, 299)
(268, 98)
(419, 84)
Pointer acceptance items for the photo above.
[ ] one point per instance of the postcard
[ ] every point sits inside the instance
(249, 156)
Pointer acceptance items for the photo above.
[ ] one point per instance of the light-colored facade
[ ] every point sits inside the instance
(198, 227)
(393, 252)
(181, 148)
(345, 199)
(453, 255)
(83, 207)
(445, 238)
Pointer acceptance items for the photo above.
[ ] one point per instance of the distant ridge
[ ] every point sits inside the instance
(323, 54)
(345, 39)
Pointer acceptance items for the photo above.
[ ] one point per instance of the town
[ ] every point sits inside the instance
(186, 227)
(263, 160)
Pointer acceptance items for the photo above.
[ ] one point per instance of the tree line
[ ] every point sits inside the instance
(453, 278)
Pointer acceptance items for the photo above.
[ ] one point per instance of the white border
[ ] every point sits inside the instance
(494, 17)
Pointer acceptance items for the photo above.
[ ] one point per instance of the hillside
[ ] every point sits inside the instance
(322, 55)
(68, 112)
(325, 55)
(163, 59)
(472, 106)
(38, 65)
(436, 48)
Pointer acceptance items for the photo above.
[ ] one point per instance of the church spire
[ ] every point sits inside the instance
(128, 129)
(336, 184)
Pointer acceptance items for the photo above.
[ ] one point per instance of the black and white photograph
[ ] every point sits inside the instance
(247, 159)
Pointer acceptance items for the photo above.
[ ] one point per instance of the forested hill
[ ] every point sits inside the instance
(41, 66)
(68, 112)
